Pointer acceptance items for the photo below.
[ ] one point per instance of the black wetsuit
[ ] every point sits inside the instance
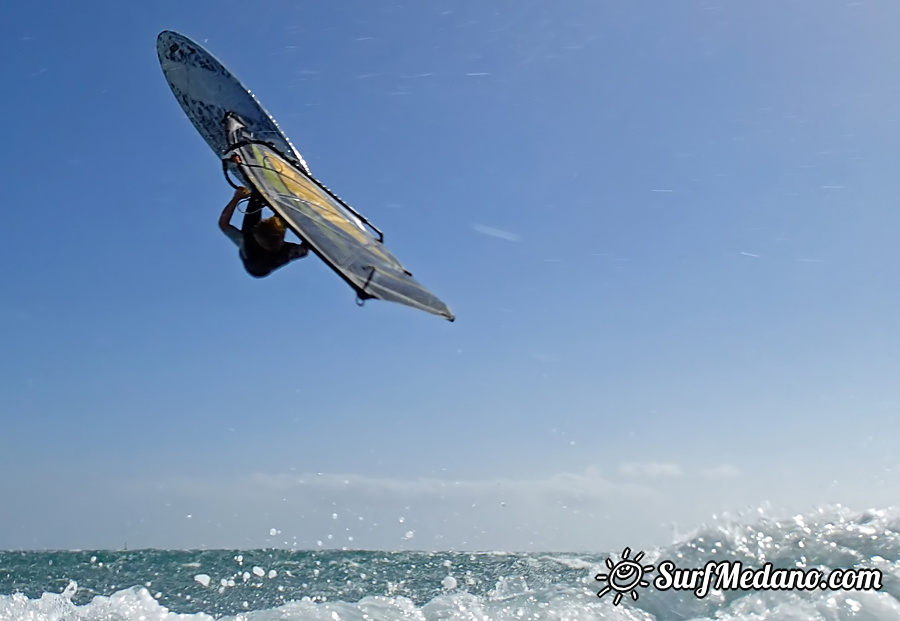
(258, 261)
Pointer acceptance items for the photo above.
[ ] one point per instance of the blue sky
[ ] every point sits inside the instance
(668, 232)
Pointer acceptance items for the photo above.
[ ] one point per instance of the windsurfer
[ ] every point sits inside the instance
(260, 243)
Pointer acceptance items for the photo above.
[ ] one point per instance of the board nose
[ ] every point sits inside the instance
(168, 44)
(163, 39)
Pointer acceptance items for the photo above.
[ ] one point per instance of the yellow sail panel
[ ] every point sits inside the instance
(291, 182)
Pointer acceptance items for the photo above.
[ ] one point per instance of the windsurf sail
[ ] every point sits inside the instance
(334, 231)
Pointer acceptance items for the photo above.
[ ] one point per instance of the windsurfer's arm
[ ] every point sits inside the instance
(228, 212)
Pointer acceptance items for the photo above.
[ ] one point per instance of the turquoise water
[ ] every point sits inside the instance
(334, 585)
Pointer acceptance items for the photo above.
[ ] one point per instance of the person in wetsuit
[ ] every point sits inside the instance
(260, 242)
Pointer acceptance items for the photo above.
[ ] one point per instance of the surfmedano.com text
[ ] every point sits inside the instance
(732, 576)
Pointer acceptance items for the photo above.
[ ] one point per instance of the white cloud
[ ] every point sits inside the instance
(589, 484)
(650, 469)
(721, 472)
(498, 233)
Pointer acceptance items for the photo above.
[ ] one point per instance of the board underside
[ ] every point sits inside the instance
(207, 91)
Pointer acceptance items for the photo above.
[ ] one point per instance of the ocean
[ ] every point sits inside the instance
(338, 585)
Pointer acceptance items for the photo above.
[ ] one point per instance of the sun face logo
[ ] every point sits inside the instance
(624, 576)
